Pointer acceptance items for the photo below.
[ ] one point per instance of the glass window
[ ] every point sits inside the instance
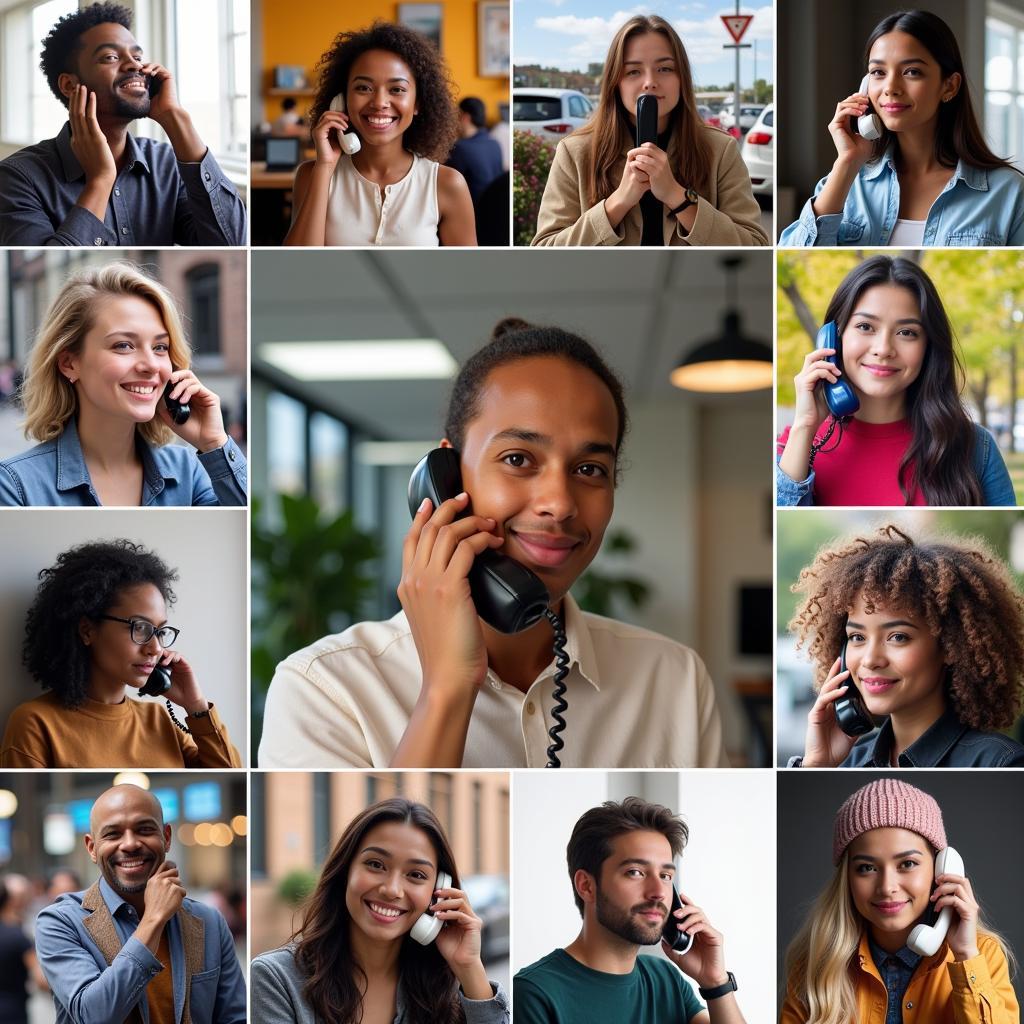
(203, 286)
(1004, 82)
(286, 444)
(328, 455)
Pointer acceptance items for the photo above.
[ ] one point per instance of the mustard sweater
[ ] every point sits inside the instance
(42, 733)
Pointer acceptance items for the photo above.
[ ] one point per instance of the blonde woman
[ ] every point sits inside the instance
(94, 397)
(689, 188)
(850, 961)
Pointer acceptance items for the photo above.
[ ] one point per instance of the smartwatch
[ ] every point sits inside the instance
(720, 990)
(690, 199)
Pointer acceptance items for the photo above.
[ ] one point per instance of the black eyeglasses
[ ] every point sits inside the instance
(143, 631)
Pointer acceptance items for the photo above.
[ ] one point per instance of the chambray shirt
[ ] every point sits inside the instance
(87, 991)
(976, 208)
(896, 970)
(156, 199)
(55, 473)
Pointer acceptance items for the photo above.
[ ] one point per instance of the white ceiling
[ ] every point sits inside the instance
(642, 310)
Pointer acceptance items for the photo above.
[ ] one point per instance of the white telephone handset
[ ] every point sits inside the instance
(348, 140)
(427, 927)
(868, 125)
(925, 939)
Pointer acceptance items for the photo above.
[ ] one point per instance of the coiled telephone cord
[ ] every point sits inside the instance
(819, 446)
(560, 706)
(174, 718)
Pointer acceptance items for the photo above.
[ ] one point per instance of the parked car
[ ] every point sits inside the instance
(489, 897)
(748, 115)
(709, 116)
(549, 112)
(758, 151)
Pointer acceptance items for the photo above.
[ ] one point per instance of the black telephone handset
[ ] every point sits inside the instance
(154, 85)
(851, 713)
(508, 597)
(679, 941)
(158, 683)
(646, 119)
(179, 411)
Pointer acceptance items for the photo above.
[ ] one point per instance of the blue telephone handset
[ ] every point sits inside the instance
(840, 396)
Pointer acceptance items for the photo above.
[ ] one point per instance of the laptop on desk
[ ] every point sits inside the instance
(283, 152)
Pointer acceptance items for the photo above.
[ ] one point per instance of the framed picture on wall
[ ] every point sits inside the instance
(492, 38)
(424, 18)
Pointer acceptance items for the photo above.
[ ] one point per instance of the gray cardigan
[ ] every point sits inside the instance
(276, 984)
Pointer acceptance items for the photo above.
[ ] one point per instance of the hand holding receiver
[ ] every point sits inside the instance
(329, 128)
(164, 894)
(457, 931)
(347, 138)
(633, 184)
(679, 940)
(853, 149)
(868, 125)
(954, 910)
(654, 163)
(162, 94)
(840, 397)
(826, 745)
(204, 427)
(704, 958)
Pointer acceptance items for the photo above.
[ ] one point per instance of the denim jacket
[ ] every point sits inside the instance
(99, 971)
(976, 208)
(996, 485)
(55, 473)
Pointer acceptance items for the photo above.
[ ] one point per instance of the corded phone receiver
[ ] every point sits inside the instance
(868, 125)
(840, 396)
(925, 939)
(180, 411)
(427, 927)
(349, 141)
(679, 941)
(158, 683)
(851, 713)
(508, 597)
(646, 118)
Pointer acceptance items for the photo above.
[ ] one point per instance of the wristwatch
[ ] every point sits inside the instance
(690, 200)
(720, 990)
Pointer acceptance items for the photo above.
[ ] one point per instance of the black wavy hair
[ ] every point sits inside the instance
(84, 583)
(435, 128)
(61, 46)
(511, 340)
(940, 456)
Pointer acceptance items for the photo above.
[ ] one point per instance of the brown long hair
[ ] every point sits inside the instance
(688, 149)
(323, 950)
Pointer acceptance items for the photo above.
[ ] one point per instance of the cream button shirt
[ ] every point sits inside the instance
(636, 700)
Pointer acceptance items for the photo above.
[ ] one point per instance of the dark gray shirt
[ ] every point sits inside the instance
(156, 199)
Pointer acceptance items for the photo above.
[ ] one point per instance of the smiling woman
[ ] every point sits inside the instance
(111, 347)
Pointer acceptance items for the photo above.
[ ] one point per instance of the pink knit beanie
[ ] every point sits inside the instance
(887, 803)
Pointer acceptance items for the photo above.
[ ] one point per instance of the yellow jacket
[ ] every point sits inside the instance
(727, 215)
(975, 991)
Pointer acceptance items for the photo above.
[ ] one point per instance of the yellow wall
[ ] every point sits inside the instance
(299, 34)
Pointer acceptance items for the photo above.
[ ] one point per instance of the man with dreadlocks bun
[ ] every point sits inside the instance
(933, 633)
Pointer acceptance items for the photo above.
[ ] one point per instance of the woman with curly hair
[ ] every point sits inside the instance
(359, 956)
(111, 348)
(395, 96)
(96, 631)
(691, 187)
(851, 960)
(909, 440)
(932, 636)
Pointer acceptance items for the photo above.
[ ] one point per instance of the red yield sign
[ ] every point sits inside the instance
(737, 24)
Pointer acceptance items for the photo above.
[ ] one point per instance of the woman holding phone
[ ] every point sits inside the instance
(927, 177)
(362, 954)
(389, 86)
(690, 187)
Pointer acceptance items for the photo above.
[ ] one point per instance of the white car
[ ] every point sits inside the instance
(758, 151)
(552, 113)
(749, 113)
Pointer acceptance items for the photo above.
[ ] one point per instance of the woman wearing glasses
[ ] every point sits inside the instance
(97, 630)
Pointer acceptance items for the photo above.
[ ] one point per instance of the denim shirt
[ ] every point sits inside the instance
(156, 199)
(896, 970)
(994, 477)
(976, 208)
(86, 990)
(55, 473)
(948, 743)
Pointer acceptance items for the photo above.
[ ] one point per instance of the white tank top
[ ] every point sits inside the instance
(907, 232)
(406, 215)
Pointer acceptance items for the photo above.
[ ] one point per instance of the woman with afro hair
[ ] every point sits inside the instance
(932, 633)
(96, 631)
(395, 97)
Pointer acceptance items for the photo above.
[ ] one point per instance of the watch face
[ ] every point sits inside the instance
(691, 195)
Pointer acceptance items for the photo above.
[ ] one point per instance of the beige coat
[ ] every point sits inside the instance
(728, 215)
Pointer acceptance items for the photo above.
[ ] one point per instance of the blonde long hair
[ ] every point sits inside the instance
(689, 152)
(48, 398)
(821, 954)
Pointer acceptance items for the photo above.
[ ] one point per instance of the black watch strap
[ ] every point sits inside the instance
(690, 199)
(720, 990)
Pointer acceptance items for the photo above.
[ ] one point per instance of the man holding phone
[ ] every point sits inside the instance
(621, 859)
(134, 947)
(95, 183)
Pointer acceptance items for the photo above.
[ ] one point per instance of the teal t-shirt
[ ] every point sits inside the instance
(561, 990)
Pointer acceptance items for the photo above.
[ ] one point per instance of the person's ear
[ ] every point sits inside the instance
(86, 629)
(67, 363)
(585, 885)
(90, 845)
(951, 86)
(167, 838)
(445, 443)
(67, 83)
